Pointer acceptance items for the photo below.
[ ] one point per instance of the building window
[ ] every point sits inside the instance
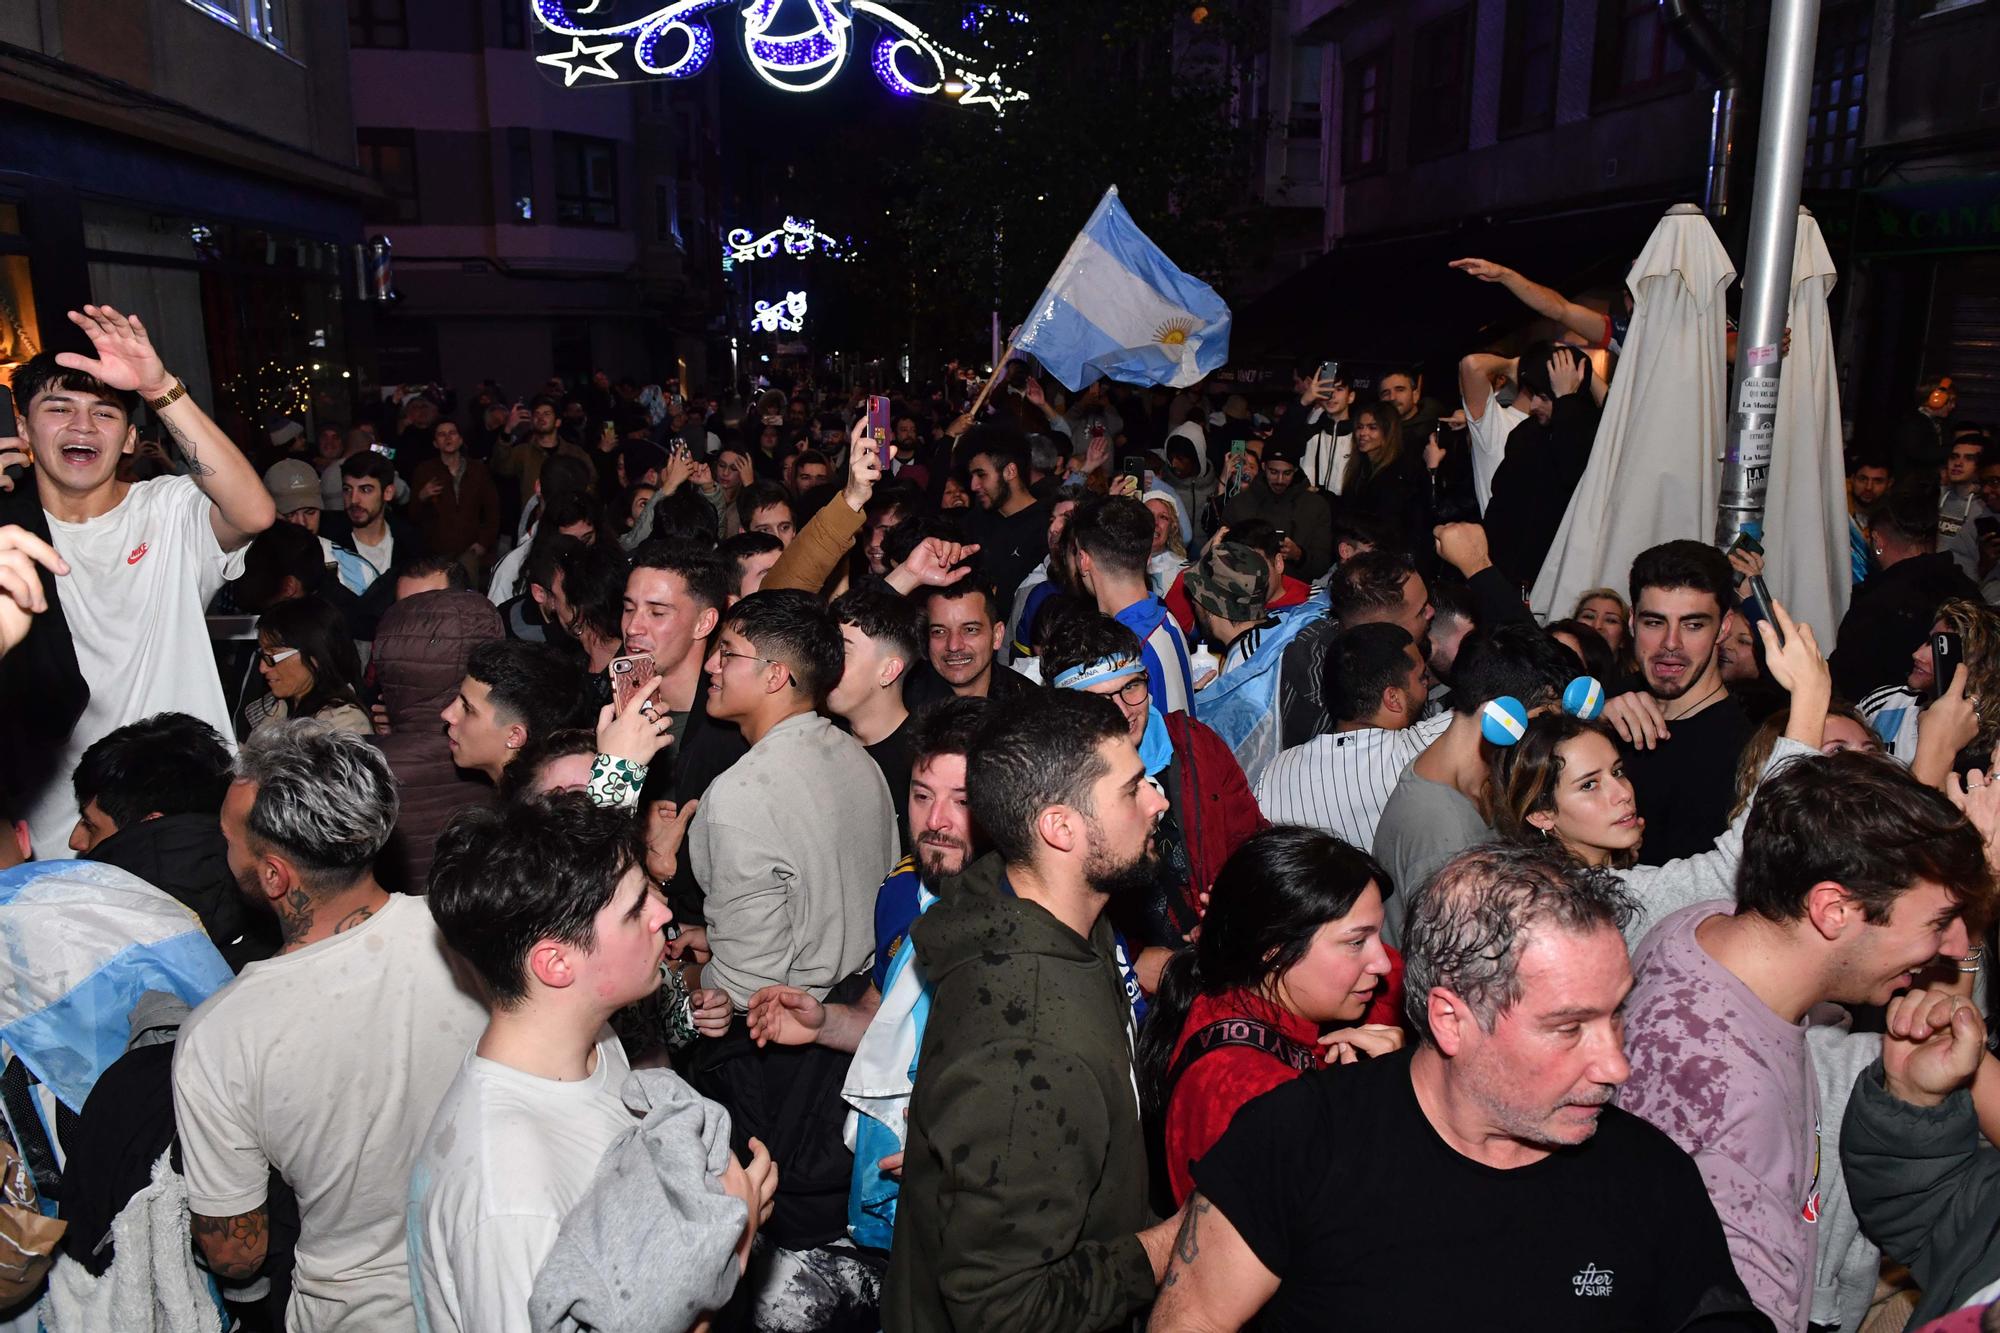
(1528, 65)
(520, 176)
(1441, 96)
(1636, 55)
(390, 157)
(377, 23)
(586, 181)
(513, 25)
(1839, 98)
(261, 20)
(1365, 114)
(1304, 125)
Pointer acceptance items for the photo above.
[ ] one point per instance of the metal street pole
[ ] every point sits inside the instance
(1767, 267)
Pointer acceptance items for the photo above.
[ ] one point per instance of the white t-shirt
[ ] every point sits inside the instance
(1489, 443)
(508, 1155)
(328, 1064)
(381, 556)
(506, 583)
(141, 578)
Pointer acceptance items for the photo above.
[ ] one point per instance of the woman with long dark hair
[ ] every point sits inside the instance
(307, 658)
(1563, 783)
(1291, 943)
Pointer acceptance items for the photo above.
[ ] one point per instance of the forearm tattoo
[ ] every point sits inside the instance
(184, 446)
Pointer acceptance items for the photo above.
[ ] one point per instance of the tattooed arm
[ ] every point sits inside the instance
(234, 1246)
(126, 359)
(1214, 1282)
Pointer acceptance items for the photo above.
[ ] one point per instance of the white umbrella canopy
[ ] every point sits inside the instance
(1805, 509)
(1653, 474)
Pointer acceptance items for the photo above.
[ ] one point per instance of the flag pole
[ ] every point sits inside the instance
(992, 382)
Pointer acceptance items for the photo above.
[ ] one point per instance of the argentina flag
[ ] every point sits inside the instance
(1118, 307)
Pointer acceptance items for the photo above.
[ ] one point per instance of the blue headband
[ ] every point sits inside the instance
(1103, 670)
(1156, 747)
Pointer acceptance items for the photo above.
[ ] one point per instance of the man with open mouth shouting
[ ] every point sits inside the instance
(145, 558)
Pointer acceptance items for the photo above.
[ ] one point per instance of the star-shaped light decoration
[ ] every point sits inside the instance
(582, 59)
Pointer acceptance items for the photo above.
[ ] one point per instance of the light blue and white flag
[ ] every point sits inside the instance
(1118, 308)
(80, 942)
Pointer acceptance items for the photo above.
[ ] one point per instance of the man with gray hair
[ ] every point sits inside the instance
(1354, 1188)
(326, 1061)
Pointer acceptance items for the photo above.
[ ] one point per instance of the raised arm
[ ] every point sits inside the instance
(1544, 301)
(126, 359)
(1475, 380)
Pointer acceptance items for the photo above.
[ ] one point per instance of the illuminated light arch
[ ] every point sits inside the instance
(797, 238)
(677, 41)
(786, 316)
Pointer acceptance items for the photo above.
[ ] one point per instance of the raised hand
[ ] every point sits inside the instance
(638, 731)
(125, 356)
(864, 466)
(1483, 269)
(1798, 666)
(936, 563)
(1566, 367)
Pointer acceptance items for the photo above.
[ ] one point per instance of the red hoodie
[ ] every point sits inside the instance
(1217, 1085)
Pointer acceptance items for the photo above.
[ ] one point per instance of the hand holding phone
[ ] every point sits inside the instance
(1947, 655)
(629, 675)
(879, 428)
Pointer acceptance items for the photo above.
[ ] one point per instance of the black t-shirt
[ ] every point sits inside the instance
(1687, 784)
(894, 756)
(1339, 1185)
(1009, 547)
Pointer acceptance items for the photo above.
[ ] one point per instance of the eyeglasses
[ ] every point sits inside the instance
(273, 659)
(1134, 691)
(725, 655)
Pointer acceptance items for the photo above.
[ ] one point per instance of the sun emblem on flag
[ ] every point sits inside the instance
(1174, 333)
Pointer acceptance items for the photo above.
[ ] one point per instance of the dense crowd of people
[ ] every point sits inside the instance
(1090, 858)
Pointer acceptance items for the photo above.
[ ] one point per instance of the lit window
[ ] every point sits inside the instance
(259, 20)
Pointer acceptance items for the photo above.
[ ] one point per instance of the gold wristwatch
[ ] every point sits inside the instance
(171, 396)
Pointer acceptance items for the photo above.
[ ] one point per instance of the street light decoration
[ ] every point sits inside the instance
(799, 239)
(786, 316)
(795, 46)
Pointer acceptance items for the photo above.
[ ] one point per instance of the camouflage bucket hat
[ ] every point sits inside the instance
(1230, 582)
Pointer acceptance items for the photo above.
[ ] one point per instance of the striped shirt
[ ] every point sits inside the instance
(1165, 653)
(1892, 712)
(1339, 782)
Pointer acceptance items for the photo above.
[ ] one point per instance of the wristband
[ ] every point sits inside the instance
(170, 397)
(615, 782)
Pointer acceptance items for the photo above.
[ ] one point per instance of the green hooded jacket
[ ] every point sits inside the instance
(1024, 1182)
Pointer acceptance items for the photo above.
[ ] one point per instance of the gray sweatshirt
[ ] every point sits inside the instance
(652, 1246)
(791, 843)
